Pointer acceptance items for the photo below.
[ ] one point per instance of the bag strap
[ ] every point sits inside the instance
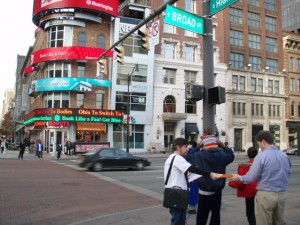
(169, 172)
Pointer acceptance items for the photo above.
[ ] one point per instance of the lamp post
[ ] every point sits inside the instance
(135, 68)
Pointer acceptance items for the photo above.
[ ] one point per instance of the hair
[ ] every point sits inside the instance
(265, 135)
(179, 142)
(207, 131)
(252, 152)
(193, 143)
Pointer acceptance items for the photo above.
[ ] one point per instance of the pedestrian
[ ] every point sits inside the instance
(214, 156)
(2, 146)
(177, 175)
(31, 146)
(39, 149)
(58, 149)
(209, 139)
(194, 189)
(22, 147)
(247, 191)
(272, 168)
(68, 147)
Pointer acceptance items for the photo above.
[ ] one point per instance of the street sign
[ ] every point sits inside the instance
(183, 19)
(218, 5)
(154, 33)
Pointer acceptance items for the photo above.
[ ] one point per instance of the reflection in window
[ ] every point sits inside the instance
(58, 69)
(59, 36)
(189, 53)
(169, 76)
(56, 100)
(237, 60)
(169, 50)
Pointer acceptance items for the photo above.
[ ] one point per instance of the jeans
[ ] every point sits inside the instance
(178, 216)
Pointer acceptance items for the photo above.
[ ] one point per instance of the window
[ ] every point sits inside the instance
(271, 44)
(127, 68)
(242, 83)
(274, 110)
(292, 85)
(234, 82)
(132, 44)
(239, 108)
(257, 109)
(82, 39)
(293, 109)
(190, 107)
(298, 85)
(189, 33)
(136, 140)
(255, 62)
(238, 83)
(190, 6)
(260, 85)
(273, 65)
(291, 63)
(253, 2)
(169, 50)
(99, 100)
(101, 41)
(189, 53)
(254, 41)
(298, 63)
(270, 86)
(169, 76)
(137, 101)
(58, 69)
(169, 29)
(271, 24)
(56, 100)
(276, 87)
(253, 84)
(190, 76)
(79, 100)
(254, 20)
(236, 38)
(270, 5)
(81, 69)
(59, 36)
(236, 16)
(237, 60)
(169, 104)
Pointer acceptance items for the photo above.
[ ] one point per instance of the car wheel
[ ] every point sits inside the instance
(296, 152)
(97, 167)
(139, 165)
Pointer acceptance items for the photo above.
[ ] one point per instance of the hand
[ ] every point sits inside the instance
(235, 177)
(215, 176)
(221, 144)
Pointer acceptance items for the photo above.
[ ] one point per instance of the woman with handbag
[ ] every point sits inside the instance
(176, 181)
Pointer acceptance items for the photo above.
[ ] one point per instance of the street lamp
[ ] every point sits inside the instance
(135, 68)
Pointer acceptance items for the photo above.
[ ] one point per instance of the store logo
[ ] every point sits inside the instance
(88, 2)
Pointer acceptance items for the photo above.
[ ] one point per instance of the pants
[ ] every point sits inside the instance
(207, 204)
(58, 154)
(68, 151)
(21, 153)
(250, 212)
(178, 216)
(193, 195)
(270, 208)
(39, 154)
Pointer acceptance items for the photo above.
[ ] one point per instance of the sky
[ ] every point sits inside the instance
(17, 35)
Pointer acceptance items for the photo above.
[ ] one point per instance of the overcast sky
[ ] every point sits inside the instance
(17, 35)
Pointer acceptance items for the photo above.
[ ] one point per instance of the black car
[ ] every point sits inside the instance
(102, 158)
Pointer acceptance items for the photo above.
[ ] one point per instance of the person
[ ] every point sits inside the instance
(39, 149)
(209, 139)
(215, 158)
(193, 194)
(68, 147)
(2, 146)
(31, 147)
(247, 191)
(177, 176)
(272, 168)
(58, 149)
(22, 147)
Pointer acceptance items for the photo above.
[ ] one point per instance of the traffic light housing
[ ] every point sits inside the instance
(216, 95)
(102, 63)
(120, 54)
(194, 92)
(144, 33)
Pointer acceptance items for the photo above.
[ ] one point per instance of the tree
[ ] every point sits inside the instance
(7, 125)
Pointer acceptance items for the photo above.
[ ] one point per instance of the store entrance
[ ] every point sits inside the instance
(52, 136)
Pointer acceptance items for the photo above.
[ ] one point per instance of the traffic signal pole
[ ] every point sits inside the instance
(208, 66)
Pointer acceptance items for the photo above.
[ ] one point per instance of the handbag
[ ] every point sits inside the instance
(175, 197)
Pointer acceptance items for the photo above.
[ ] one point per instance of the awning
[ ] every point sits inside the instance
(19, 127)
(28, 128)
(91, 126)
(191, 128)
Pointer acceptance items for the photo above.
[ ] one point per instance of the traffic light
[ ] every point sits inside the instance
(102, 63)
(216, 95)
(144, 38)
(194, 92)
(120, 54)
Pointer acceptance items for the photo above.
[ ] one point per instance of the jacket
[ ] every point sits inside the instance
(244, 190)
(213, 160)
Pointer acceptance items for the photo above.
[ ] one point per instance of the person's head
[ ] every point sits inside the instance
(208, 131)
(264, 139)
(192, 144)
(180, 145)
(252, 152)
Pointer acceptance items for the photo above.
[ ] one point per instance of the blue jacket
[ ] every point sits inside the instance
(212, 160)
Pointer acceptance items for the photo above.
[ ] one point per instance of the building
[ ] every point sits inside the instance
(291, 16)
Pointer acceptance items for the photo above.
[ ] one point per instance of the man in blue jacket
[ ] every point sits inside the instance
(210, 191)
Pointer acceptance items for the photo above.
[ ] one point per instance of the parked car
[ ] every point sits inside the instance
(292, 151)
(102, 158)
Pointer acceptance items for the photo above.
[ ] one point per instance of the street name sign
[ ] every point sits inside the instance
(184, 19)
(218, 5)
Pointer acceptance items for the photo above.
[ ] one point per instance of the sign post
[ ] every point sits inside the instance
(218, 5)
(183, 19)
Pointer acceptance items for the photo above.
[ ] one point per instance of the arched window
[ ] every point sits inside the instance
(101, 41)
(190, 107)
(169, 104)
(82, 39)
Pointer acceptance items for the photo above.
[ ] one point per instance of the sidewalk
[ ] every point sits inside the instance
(46, 192)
